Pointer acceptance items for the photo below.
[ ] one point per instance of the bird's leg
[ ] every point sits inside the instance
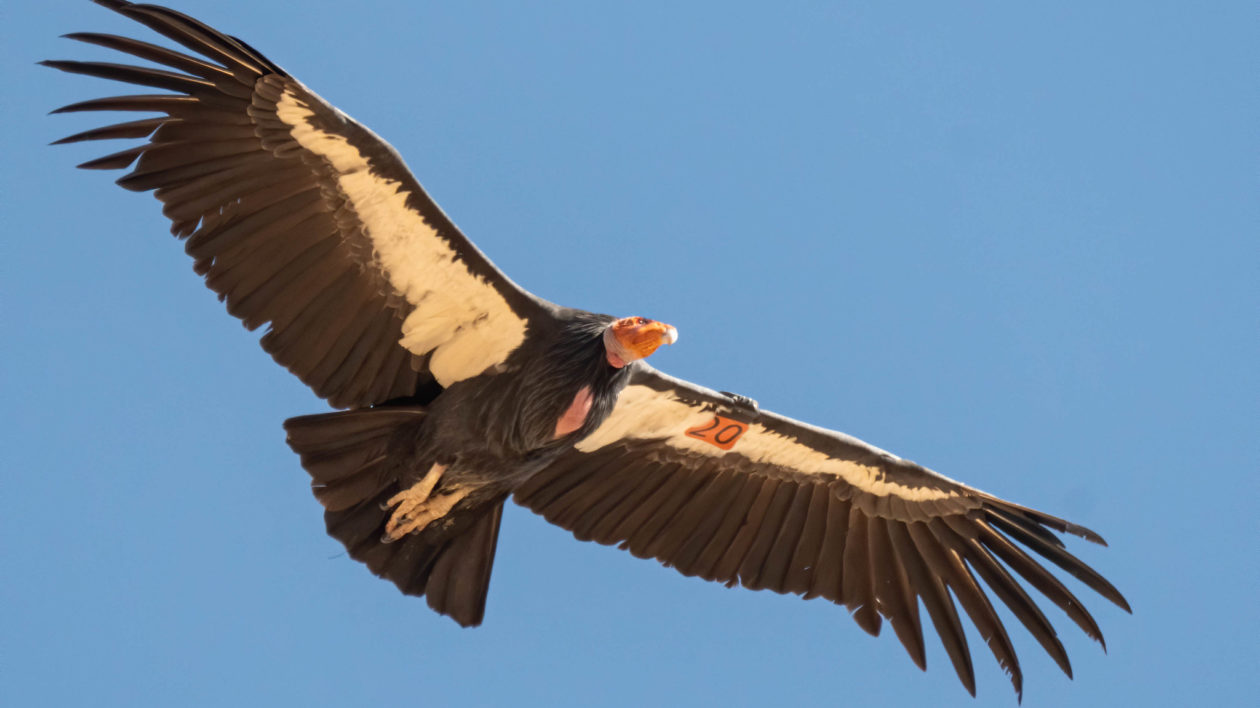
(415, 508)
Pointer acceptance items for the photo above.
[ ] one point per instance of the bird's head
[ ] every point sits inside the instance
(633, 338)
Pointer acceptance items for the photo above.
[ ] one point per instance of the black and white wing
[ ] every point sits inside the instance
(707, 483)
(298, 216)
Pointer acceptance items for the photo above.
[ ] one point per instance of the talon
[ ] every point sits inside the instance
(419, 492)
(415, 508)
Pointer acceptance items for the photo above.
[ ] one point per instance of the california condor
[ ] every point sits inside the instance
(461, 389)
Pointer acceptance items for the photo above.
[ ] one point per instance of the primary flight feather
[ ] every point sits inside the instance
(462, 389)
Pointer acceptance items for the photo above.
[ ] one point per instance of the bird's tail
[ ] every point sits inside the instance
(353, 474)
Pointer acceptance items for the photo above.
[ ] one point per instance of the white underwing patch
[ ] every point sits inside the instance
(645, 413)
(458, 316)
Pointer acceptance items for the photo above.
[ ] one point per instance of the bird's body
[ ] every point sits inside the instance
(469, 446)
(461, 389)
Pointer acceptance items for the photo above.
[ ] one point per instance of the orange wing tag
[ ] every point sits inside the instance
(721, 433)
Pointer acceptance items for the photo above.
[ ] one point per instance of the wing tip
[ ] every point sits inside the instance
(117, 5)
(1085, 533)
(1121, 602)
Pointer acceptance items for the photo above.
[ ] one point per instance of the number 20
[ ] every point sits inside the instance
(722, 433)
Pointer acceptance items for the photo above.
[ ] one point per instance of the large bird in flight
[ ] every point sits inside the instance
(461, 389)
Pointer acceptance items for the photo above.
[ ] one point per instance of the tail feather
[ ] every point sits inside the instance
(460, 579)
(353, 473)
(346, 453)
(366, 482)
(358, 528)
(335, 445)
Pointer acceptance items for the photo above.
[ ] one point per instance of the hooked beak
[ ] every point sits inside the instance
(633, 338)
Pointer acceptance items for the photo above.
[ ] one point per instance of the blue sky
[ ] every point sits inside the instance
(1013, 242)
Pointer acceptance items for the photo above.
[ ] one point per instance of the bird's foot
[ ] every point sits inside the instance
(415, 507)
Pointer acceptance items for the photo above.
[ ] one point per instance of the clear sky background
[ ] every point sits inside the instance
(1015, 242)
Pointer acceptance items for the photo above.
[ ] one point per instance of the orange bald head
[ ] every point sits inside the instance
(633, 338)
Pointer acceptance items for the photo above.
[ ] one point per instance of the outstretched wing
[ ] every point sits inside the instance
(707, 483)
(298, 216)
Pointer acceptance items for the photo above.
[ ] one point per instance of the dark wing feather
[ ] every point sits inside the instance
(768, 502)
(299, 217)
